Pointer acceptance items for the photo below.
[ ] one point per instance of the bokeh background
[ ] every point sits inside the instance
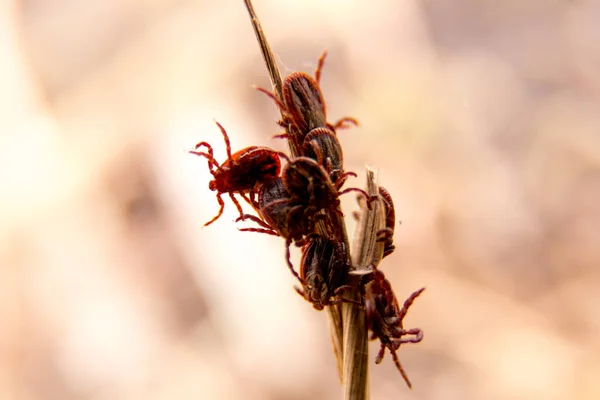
(481, 117)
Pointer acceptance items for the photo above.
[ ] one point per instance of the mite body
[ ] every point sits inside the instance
(303, 190)
(241, 172)
(323, 268)
(385, 316)
(303, 105)
(280, 213)
(303, 102)
(323, 146)
(308, 184)
(289, 207)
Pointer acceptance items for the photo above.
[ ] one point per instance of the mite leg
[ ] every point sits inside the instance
(408, 302)
(317, 150)
(237, 204)
(300, 292)
(222, 207)
(370, 199)
(273, 97)
(360, 200)
(399, 367)
(340, 300)
(339, 182)
(417, 332)
(208, 148)
(212, 163)
(255, 219)
(250, 201)
(388, 250)
(320, 66)
(226, 137)
(384, 234)
(288, 257)
(345, 175)
(281, 136)
(259, 230)
(344, 123)
(380, 354)
(253, 196)
(342, 288)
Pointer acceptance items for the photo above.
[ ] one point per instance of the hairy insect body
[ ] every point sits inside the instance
(323, 146)
(323, 268)
(308, 184)
(245, 168)
(303, 102)
(280, 212)
(241, 171)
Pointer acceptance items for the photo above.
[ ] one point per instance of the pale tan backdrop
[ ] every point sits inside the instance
(482, 118)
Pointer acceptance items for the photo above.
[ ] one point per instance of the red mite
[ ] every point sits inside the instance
(281, 214)
(289, 206)
(384, 317)
(387, 235)
(303, 104)
(308, 183)
(240, 172)
(323, 268)
(323, 146)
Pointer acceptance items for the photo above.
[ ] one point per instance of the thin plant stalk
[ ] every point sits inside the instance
(347, 321)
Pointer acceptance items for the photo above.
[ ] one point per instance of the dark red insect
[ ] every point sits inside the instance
(303, 190)
(384, 317)
(323, 146)
(290, 206)
(281, 215)
(240, 172)
(303, 102)
(303, 105)
(387, 235)
(308, 183)
(310, 186)
(323, 269)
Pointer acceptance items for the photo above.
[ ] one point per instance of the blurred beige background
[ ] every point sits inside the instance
(482, 118)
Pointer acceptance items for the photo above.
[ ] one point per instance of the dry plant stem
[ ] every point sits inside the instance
(367, 251)
(334, 312)
(267, 54)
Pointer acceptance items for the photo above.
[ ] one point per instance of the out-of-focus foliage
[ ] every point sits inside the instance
(482, 117)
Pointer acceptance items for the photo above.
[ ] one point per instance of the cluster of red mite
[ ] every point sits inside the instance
(290, 201)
